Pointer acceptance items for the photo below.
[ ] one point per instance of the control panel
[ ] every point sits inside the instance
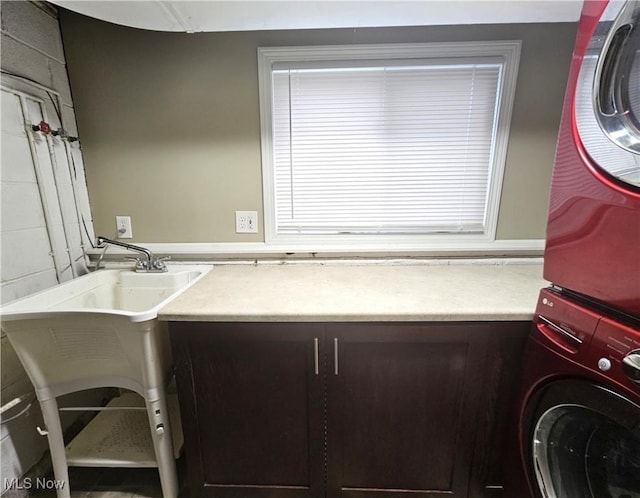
(615, 350)
(565, 326)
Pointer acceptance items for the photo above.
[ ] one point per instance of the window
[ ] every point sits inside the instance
(401, 143)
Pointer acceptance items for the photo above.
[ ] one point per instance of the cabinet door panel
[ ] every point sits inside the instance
(255, 414)
(401, 409)
(258, 408)
(506, 344)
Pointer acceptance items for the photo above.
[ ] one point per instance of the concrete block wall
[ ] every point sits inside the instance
(33, 64)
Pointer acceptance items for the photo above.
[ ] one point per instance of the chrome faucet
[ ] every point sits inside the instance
(150, 263)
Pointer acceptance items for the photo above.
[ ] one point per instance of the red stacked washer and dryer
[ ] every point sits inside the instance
(577, 433)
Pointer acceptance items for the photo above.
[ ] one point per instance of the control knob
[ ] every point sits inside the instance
(604, 364)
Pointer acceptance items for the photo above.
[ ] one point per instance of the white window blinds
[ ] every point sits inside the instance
(384, 148)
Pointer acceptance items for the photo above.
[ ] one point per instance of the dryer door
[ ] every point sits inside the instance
(607, 102)
(586, 443)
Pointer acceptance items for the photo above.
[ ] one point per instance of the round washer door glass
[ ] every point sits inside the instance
(607, 100)
(580, 453)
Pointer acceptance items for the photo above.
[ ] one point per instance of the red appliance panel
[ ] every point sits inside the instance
(549, 360)
(612, 343)
(563, 326)
(593, 231)
(550, 355)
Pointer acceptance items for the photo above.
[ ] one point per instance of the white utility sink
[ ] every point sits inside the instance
(101, 330)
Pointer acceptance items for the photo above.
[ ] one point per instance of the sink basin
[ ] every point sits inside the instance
(98, 330)
(137, 296)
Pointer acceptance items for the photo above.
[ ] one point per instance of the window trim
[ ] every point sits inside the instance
(509, 50)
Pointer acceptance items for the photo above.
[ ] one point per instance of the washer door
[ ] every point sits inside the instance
(607, 102)
(586, 443)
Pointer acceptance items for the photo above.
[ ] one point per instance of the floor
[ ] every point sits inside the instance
(104, 483)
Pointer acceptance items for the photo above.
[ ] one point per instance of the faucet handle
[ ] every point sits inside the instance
(159, 264)
(140, 265)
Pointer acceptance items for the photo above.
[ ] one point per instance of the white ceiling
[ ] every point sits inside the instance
(244, 15)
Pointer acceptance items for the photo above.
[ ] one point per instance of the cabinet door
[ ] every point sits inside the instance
(402, 403)
(506, 344)
(252, 408)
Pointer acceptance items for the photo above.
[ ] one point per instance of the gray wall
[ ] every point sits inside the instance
(170, 121)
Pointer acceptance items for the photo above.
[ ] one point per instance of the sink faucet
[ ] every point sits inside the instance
(149, 264)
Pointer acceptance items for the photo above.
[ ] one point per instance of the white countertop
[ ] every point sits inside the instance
(361, 292)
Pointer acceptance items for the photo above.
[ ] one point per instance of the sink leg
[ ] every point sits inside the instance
(51, 418)
(163, 446)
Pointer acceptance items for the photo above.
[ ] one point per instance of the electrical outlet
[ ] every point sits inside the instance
(246, 221)
(123, 226)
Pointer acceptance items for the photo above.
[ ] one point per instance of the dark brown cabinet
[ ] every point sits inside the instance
(505, 348)
(252, 409)
(402, 409)
(338, 410)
